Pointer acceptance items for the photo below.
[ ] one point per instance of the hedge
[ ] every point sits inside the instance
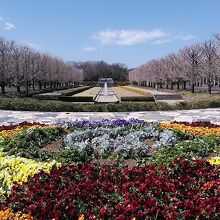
(137, 99)
(74, 91)
(76, 98)
(28, 104)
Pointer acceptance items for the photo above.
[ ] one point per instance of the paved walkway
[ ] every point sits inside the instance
(12, 117)
(155, 92)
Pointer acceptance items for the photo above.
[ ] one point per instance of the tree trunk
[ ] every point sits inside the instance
(210, 89)
(27, 87)
(178, 85)
(210, 84)
(184, 85)
(192, 87)
(18, 88)
(171, 85)
(33, 86)
(3, 89)
(39, 85)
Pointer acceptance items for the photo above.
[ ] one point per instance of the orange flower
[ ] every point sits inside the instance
(8, 214)
(9, 133)
(208, 185)
(190, 129)
(81, 217)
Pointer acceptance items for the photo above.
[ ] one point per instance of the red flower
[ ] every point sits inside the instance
(188, 204)
(208, 210)
(102, 212)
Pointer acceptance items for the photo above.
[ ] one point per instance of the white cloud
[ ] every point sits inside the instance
(9, 26)
(133, 37)
(128, 37)
(90, 49)
(178, 37)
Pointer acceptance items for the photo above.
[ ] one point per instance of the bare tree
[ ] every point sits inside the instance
(21, 66)
(17, 65)
(194, 57)
(5, 56)
(217, 38)
(210, 64)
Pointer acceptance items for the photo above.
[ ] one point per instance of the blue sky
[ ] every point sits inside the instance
(124, 31)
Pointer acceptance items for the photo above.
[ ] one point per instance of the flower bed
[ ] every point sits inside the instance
(15, 169)
(184, 190)
(176, 174)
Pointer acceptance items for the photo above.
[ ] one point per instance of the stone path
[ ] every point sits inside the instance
(169, 98)
(12, 117)
(107, 96)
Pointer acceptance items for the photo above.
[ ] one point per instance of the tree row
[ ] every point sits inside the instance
(22, 66)
(194, 66)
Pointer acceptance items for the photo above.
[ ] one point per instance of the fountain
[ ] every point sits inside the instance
(105, 89)
(105, 95)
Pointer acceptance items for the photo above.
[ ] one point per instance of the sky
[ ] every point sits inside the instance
(116, 31)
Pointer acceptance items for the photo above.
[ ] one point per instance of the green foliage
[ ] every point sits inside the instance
(69, 156)
(197, 148)
(137, 99)
(29, 142)
(74, 91)
(76, 98)
(28, 104)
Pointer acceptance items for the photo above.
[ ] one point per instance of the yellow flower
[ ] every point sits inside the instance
(214, 161)
(17, 170)
(190, 129)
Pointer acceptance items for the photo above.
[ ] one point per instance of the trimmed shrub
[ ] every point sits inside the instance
(121, 83)
(74, 91)
(76, 98)
(28, 104)
(47, 97)
(137, 99)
